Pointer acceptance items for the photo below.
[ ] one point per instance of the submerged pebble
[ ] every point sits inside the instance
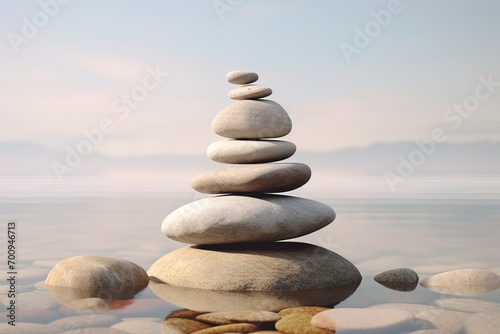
(463, 282)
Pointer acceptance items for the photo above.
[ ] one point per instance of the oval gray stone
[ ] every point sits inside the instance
(262, 178)
(240, 77)
(269, 266)
(94, 272)
(250, 151)
(249, 92)
(252, 119)
(235, 218)
(463, 282)
(401, 279)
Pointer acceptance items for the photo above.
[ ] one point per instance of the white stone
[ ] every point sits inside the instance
(29, 328)
(431, 331)
(37, 300)
(96, 330)
(240, 77)
(138, 327)
(250, 151)
(452, 321)
(483, 323)
(361, 319)
(413, 308)
(249, 92)
(238, 218)
(79, 321)
(252, 119)
(463, 282)
(254, 178)
(468, 305)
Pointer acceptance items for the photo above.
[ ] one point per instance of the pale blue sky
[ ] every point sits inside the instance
(66, 77)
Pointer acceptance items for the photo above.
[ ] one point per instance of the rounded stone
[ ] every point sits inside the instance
(252, 119)
(299, 323)
(181, 326)
(94, 272)
(359, 319)
(79, 321)
(452, 321)
(401, 279)
(312, 310)
(254, 178)
(240, 77)
(250, 151)
(483, 323)
(463, 282)
(229, 328)
(249, 92)
(270, 266)
(468, 305)
(239, 218)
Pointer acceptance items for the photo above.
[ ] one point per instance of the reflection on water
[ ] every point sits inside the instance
(429, 235)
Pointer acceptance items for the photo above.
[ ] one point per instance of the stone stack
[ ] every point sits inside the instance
(235, 233)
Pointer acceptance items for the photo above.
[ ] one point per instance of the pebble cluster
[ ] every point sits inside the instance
(235, 232)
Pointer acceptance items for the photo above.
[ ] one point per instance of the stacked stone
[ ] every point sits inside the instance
(236, 231)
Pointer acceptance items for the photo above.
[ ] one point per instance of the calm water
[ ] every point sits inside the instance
(430, 232)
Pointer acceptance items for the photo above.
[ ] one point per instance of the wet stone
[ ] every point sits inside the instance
(138, 327)
(463, 282)
(79, 321)
(299, 323)
(181, 326)
(468, 305)
(401, 279)
(29, 328)
(38, 300)
(362, 319)
(452, 321)
(483, 323)
(238, 328)
(312, 310)
(92, 272)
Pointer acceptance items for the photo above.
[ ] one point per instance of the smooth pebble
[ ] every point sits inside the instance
(249, 92)
(240, 77)
(260, 267)
(362, 319)
(237, 218)
(250, 151)
(252, 119)
(254, 178)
